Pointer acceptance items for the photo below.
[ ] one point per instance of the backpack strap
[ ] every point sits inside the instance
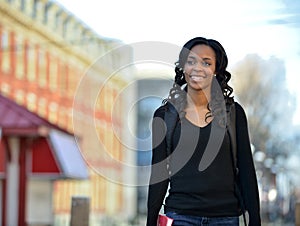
(231, 128)
(170, 118)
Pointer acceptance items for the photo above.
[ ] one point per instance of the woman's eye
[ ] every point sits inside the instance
(191, 62)
(205, 64)
(202, 63)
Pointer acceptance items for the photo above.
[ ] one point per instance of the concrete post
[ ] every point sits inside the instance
(12, 184)
(297, 214)
(80, 211)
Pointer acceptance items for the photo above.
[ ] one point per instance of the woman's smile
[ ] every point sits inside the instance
(198, 78)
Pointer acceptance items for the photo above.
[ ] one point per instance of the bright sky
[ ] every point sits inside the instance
(242, 26)
(172, 20)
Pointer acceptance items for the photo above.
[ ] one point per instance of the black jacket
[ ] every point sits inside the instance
(247, 177)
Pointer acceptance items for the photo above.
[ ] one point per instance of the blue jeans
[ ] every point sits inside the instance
(187, 220)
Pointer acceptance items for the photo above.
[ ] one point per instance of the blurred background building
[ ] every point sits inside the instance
(45, 53)
(151, 93)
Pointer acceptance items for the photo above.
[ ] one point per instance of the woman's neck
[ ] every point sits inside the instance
(198, 99)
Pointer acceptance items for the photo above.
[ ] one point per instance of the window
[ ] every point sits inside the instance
(73, 78)
(5, 89)
(51, 16)
(22, 5)
(5, 47)
(17, 3)
(59, 22)
(63, 78)
(70, 32)
(42, 73)
(66, 26)
(31, 101)
(62, 116)
(53, 110)
(46, 11)
(31, 60)
(20, 45)
(20, 97)
(70, 119)
(42, 107)
(39, 7)
(34, 12)
(28, 6)
(53, 73)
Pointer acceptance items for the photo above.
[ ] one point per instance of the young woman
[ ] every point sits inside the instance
(201, 170)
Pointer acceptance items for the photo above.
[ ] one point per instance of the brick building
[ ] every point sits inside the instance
(47, 58)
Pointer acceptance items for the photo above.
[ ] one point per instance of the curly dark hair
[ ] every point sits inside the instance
(220, 92)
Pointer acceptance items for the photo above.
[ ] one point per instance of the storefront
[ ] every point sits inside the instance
(33, 153)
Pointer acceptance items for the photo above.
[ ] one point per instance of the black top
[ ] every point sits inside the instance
(208, 192)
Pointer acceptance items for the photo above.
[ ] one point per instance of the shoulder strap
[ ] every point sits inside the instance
(231, 127)
(171, 117)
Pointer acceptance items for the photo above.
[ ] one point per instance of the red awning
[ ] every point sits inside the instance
(54, 151)
(57, 156)
(18, 120)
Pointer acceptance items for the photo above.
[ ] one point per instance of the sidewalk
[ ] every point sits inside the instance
(278, 223)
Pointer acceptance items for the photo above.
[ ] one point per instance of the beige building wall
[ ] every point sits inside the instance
(49, 62)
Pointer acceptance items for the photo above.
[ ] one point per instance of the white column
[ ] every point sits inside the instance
(12, 186)
(1, 195)
(130, 151)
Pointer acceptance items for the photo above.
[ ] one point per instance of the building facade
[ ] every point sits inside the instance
(48, 64)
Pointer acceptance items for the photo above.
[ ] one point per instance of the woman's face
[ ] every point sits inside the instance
(200, 67)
